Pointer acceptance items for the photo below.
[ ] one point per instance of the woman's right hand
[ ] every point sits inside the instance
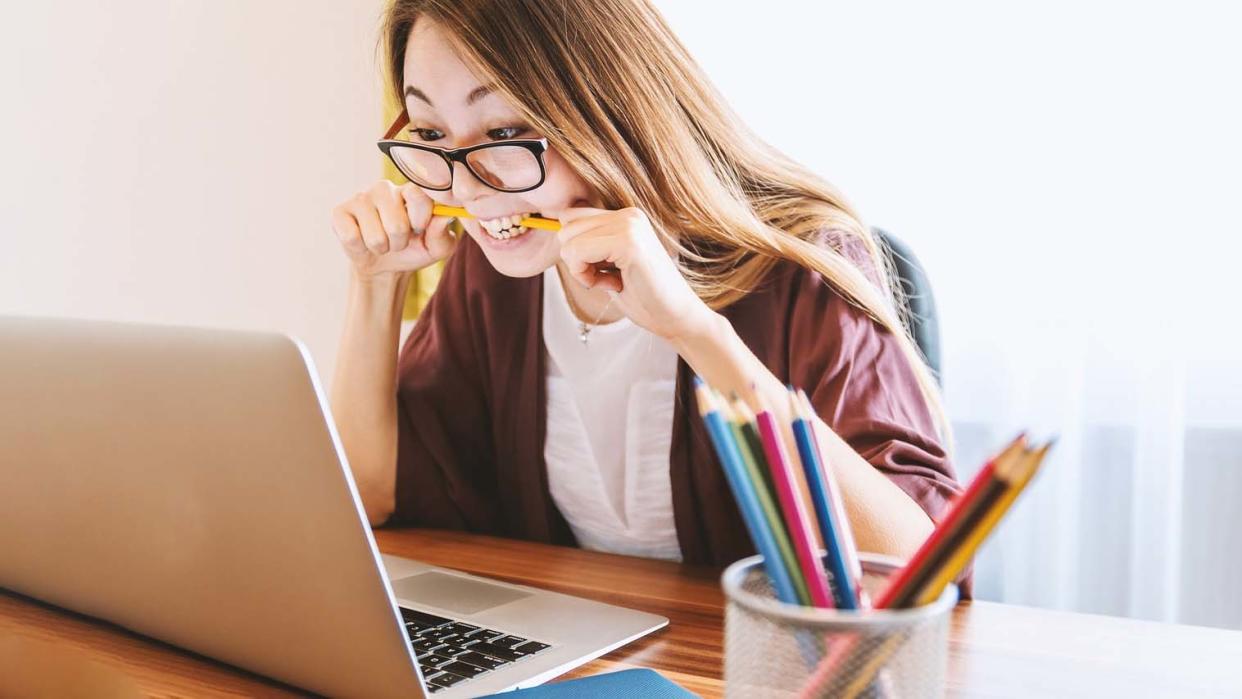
(389, 230)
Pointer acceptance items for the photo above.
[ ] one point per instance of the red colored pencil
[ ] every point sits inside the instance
(901, 586)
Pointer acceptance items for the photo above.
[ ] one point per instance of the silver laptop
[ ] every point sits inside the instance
(189, 485)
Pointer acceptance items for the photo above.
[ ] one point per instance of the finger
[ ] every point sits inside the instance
(439, 239)
(391, 207)
(346, 228)
(593, 256)
(599, 277)
(582, 227)
(607, 280)
(601, 246)
(418, 208)
(369, 223)
(574, 213)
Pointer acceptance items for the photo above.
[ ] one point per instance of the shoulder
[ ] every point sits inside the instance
(791, 288)
(800, 322)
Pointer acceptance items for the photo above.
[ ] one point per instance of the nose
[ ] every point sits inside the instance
(466, 187)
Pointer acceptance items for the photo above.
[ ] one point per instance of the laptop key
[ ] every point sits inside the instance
(484, 661)
(445, 679)
(461, 627)
(425, 644)
(441, 635)
(437, 660)
(427, 675)
(463, 669)
(498, 651)
(484, 634)
(423, 617)
(508, 641)
(451, 649)
(531, 647)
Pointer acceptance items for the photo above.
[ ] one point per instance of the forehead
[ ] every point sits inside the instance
(433, 66)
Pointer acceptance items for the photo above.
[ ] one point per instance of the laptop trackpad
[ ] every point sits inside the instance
(455, 594)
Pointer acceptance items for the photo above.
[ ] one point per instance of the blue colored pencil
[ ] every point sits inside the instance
(744, 494)
(845, 591)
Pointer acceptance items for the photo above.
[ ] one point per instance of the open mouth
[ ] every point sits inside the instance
(506, 227)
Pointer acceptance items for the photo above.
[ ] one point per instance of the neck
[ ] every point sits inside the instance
(588, 304)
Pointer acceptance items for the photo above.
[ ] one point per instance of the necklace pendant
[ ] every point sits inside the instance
(583, 331)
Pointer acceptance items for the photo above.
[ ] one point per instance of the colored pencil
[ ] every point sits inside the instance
(961, 532)
(751, 431)
(1018, 478)
(744, 493)
(767, 501)
(547, 224)
(849, 552)
(838, 508)
(833, 523)
(902, 587)
(796, 517)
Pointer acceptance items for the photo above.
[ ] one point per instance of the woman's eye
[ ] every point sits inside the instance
(506, 132)
(426, 134)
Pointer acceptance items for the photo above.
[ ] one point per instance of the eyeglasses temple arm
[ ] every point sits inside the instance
(402, 119)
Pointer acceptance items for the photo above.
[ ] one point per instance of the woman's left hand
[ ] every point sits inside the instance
(650, 289)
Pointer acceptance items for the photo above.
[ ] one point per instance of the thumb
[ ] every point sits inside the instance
(438, 238)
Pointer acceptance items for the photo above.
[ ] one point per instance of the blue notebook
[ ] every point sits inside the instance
(624, 684)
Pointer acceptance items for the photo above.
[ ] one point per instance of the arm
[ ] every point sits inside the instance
(651, 291)
(363, 396)
(387, 232)
(884, 518)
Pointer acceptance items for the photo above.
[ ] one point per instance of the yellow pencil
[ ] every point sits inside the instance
(547, 224)
(1022, 475)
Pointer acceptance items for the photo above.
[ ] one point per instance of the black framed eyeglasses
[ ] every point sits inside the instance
(507, 166)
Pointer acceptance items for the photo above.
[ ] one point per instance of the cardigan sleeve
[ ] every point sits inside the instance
(444, 454)
(862, 386)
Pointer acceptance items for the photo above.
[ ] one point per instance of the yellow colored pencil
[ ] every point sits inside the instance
(961, 557)
(547, 224)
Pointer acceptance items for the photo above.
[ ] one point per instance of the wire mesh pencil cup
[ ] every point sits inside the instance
(774, 649)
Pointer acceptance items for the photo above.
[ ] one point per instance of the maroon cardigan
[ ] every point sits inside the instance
(472, 408)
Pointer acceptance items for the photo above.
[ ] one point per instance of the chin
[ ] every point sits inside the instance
(525, 255)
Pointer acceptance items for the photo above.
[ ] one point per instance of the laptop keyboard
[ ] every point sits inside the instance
(450, 652)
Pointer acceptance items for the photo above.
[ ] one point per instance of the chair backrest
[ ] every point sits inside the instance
(919, 300)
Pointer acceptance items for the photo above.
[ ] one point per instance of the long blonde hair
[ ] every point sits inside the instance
(622, 101)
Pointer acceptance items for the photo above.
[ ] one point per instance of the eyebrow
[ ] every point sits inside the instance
(475, 95)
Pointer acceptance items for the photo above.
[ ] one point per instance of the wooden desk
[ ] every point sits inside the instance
(997, 650)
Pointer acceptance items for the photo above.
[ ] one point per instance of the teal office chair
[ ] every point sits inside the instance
(920, 302)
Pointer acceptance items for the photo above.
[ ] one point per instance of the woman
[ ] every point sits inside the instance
(545, 391)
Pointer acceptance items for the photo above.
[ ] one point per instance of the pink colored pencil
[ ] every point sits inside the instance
(797, 518)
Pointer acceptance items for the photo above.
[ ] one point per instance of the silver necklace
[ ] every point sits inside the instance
(584, 329)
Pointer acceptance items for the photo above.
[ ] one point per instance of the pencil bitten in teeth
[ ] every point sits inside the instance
(505, 227)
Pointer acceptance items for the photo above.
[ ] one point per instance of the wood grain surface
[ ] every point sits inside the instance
(995, 650)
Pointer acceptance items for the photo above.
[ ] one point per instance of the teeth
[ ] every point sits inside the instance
(507, 233)
(504, 227)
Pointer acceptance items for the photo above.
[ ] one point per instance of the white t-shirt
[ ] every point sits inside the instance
(609, 429)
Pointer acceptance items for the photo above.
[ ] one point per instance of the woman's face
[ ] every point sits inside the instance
(450, 108)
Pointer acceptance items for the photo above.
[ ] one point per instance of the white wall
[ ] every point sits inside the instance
(176, 162)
